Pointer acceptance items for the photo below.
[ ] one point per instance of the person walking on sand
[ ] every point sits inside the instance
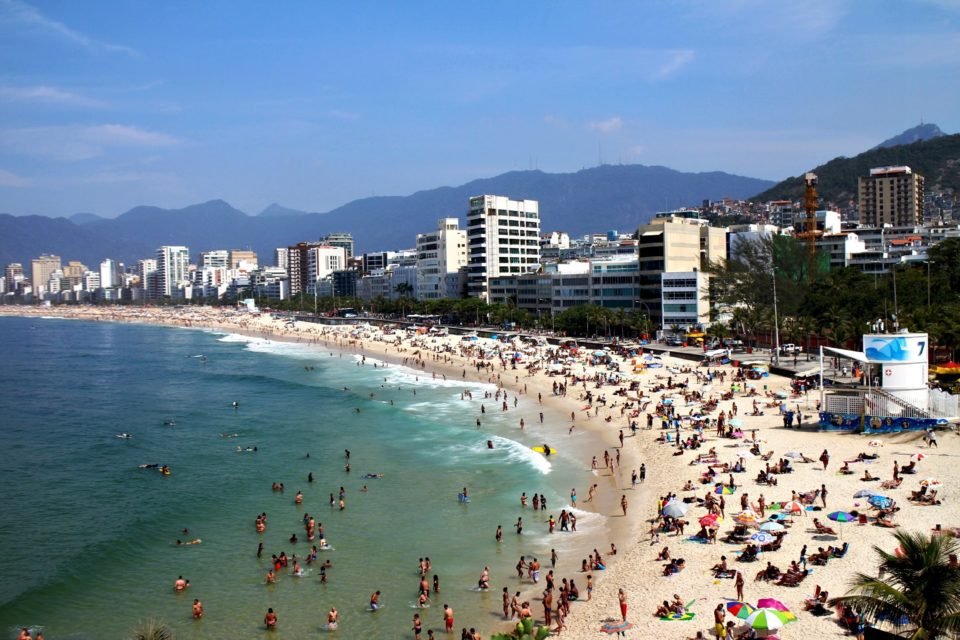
(622, 597)
(739, 586)
(623, 504)
(825, 459)
(643, 472)
(823, 495)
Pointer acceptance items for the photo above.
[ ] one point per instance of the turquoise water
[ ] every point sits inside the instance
(89, 537)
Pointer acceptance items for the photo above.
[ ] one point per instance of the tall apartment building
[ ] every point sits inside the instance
(297, 266)
(891, 195)
(503, 238)
(111, 274)
(41, 270)
(73, 276)
(322, 262)
(280, 258)
(241, 258)
(218, 259)
(147, 271)
(342, 240)
(439, 253)
(173, 271)
(13, 273)
(308, 262)
(674, 244)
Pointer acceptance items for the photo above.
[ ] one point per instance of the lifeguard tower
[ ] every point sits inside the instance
(891, 393)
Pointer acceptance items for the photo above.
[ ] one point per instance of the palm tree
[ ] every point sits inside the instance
(917, 589)
(152, 629)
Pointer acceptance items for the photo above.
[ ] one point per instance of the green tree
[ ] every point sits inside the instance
(152, 629)
(917, 590)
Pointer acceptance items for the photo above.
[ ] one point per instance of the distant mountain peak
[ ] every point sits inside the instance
(276, 210)
(84, 218)
(918, 133)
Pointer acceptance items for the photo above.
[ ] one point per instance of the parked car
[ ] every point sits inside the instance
(791, 348)
(674, 341)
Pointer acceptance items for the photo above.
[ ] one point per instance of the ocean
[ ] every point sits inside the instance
(90, 537)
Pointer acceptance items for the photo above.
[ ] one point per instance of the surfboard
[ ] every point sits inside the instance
(542, 450)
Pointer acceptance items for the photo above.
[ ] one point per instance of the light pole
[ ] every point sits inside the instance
(928, 282)
(776, 321)
(645, 306)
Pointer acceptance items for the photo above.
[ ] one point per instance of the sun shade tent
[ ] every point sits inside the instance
(858, 356)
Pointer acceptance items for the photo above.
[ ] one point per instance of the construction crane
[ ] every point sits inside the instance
(810, 232)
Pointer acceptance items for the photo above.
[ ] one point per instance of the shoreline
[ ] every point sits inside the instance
(636, 568)
(622, 531)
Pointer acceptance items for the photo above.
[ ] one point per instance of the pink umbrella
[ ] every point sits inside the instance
(773, 603)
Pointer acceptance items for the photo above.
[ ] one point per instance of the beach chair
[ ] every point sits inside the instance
(749, 554)
(842, 551)
(822, 529)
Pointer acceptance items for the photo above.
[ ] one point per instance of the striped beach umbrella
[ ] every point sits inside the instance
(741, 610)
(767, 619)
(724, 490)
(842, 516)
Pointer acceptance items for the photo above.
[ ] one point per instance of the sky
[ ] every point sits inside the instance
(111, 104)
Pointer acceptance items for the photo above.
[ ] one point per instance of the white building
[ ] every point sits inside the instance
(280, 258)
(271, 282)
(173, 272)
(219, 259)
(685, 300)
(439, 253)
(503, 238)
(323, 261)
(111, 274)
(91, 280)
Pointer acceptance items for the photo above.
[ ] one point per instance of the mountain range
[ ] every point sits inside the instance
(592, 200)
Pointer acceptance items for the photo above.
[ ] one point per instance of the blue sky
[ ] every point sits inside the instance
(110, 104)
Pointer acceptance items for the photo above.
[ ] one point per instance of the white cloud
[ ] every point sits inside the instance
(18, 12)
(610, 125)
(75, 143)
(121, 134)
(10, 179)
(676, 61)
(48, 95)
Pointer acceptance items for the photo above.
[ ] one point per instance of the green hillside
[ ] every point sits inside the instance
(938, 160)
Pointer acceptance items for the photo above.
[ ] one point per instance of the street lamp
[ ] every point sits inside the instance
(645, 306)
(928, 281)
(776, 321)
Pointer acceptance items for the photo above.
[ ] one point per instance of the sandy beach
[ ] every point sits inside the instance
(678, 384)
